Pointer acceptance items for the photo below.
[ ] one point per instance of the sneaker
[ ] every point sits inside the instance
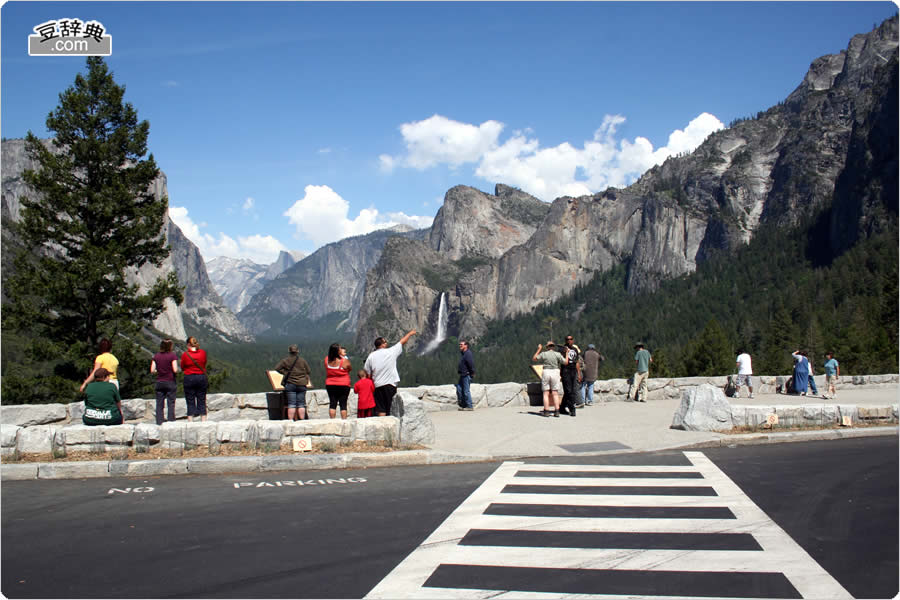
(556, 413)
(588, 403)
(544, 413)
(750, 396)
(579, 405)
(468, 408)
(572, 414)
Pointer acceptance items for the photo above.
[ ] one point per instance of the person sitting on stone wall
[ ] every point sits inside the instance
(103, 405)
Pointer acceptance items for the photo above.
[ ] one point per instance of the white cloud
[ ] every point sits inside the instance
(260, 249)
(248, 205)
(548, 173)
(439, 140)
(322, 217)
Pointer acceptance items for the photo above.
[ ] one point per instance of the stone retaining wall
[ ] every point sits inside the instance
(408, 424)
(705, 408)
(233, 407)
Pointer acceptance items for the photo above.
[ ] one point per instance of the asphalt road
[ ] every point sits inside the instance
(339, 533)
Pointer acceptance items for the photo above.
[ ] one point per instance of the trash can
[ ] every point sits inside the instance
(275, 405)
(535, 395)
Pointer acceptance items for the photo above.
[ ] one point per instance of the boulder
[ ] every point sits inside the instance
(229, 414)
(28, 415)
(200, 434)
(77, 435)
(233, 431)
(703, 408)
(416, 426)
(37, 439)
(75, 411)
(146, 434)
(255, 414)
(252, 400)
(506, 394)
(338, 427)
(377, 429)
(8, 435)
(133, 410)
(220, 402)
(438, 397)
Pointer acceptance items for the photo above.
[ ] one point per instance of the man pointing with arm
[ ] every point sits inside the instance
(381, 365)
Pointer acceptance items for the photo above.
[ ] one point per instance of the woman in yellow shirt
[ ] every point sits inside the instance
(105, 360)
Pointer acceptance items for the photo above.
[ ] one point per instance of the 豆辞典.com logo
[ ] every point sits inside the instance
(70, 37)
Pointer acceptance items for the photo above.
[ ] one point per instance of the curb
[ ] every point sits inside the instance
(254, 464)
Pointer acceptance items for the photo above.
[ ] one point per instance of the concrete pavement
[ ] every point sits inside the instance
(622, 426)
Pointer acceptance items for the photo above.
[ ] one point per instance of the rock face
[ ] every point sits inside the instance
(830, 145)
(328, 283)
(471, 222)
(202, 306)
(237, 280)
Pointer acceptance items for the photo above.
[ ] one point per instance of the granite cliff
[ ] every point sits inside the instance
(327, 283)
(237, 280)
(202, 309)
(829, 149)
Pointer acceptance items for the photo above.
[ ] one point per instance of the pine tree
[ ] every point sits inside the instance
(93, 219)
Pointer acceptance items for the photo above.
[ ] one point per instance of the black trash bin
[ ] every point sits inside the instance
(535, 395)
(275, 405)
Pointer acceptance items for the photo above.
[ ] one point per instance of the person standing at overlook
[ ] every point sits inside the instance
(295, 380)
(381, 365)
(466, 370)
(551, 362)
(744, 372)
(193, 364)
(106, 360)
(642, 360)
(592, 360)
(337, 380)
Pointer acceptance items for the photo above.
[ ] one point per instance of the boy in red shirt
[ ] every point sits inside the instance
(365, 390)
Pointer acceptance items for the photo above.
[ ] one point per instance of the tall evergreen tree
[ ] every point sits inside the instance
(93, 219)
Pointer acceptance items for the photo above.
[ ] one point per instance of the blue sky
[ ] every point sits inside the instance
(288, 125)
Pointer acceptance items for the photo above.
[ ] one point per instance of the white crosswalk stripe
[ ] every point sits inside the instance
(540, 531)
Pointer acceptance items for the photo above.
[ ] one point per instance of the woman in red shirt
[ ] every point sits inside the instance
(337, 380)
(193, 364)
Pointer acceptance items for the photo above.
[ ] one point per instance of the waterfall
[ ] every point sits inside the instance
(441, 326)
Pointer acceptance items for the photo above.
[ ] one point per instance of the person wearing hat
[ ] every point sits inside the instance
(642, 360)
(295, 379)
(103, 405)
(551, 384)
(592, 360)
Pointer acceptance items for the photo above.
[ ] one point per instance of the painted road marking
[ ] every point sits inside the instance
(607, 531)
(298, 482)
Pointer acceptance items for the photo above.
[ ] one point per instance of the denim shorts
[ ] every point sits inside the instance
(295, 395)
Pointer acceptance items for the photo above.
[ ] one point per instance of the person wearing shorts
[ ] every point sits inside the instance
(551, 362)
(295, 372)
(744, 371)
(832, 373)
(381, 365)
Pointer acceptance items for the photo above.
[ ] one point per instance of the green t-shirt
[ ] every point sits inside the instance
(551, 359)
(100, 406)
(643, 360)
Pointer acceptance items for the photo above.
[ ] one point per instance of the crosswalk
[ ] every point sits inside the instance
(539, 531)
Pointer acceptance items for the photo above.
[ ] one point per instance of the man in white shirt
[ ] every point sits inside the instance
(381, 365)
(745, 370)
